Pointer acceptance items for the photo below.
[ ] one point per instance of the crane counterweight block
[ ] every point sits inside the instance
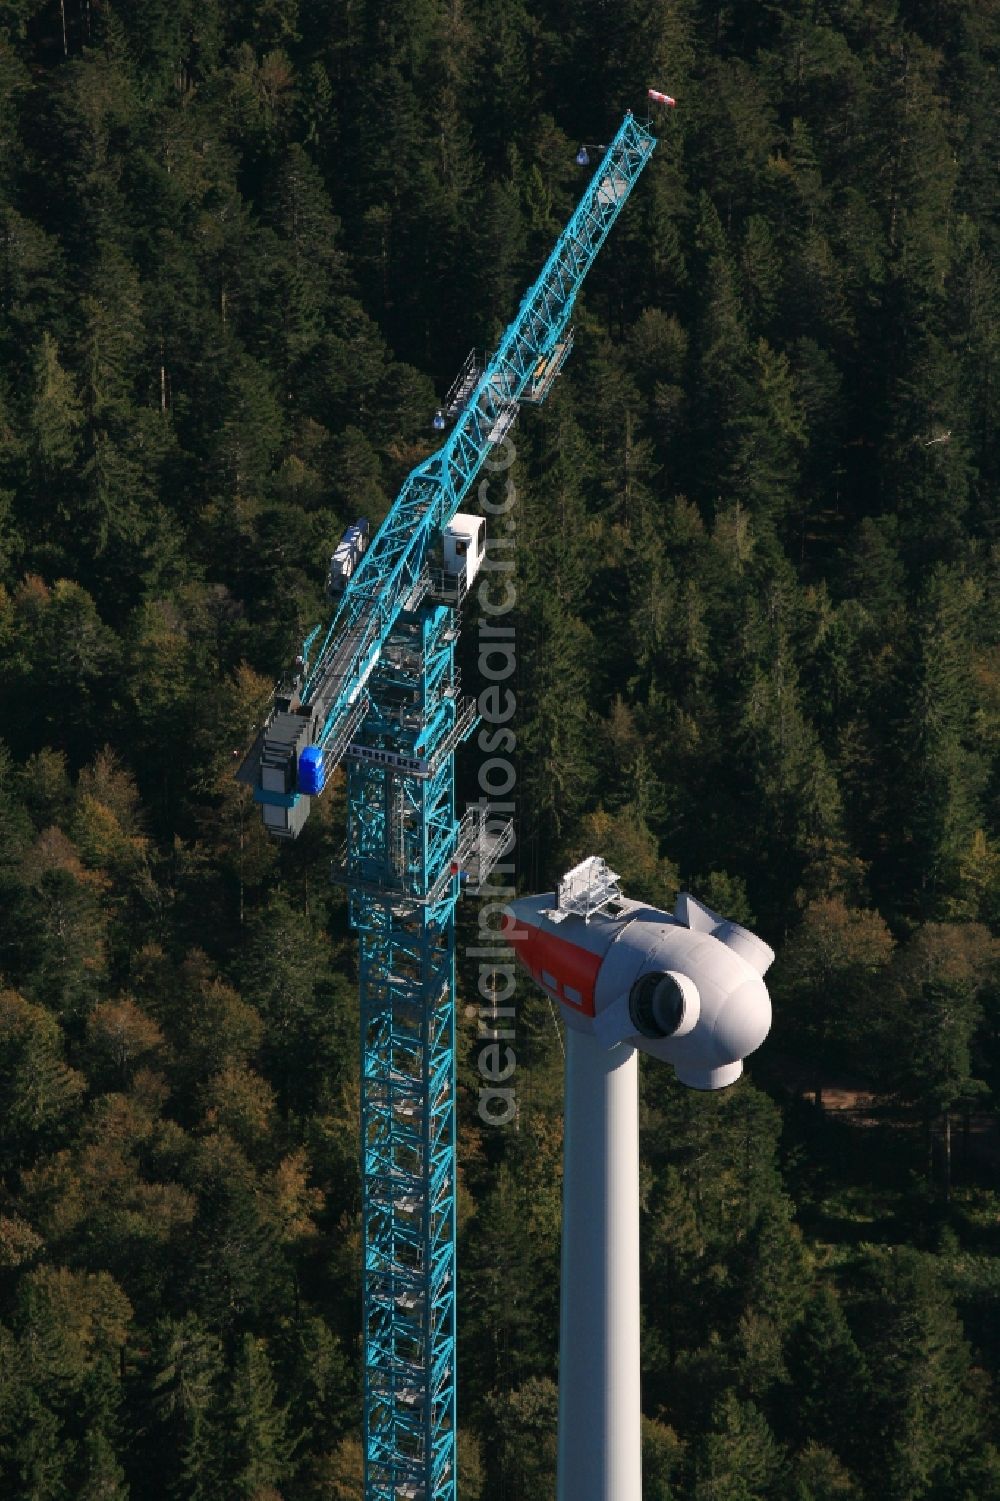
(272, 770)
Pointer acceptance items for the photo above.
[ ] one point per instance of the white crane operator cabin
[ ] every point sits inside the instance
(464, 546)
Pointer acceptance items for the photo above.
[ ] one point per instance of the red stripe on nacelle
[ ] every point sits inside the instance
(543, 949)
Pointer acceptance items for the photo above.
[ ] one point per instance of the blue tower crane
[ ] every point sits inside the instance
(379, 690)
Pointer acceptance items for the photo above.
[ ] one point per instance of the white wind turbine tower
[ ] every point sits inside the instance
(686, 988)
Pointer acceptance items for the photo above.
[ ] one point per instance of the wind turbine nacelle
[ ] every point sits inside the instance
(685, 987)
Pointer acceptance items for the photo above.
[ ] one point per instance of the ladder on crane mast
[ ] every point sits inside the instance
(381, 694)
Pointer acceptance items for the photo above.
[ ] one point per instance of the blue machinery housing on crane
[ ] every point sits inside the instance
(380, 691)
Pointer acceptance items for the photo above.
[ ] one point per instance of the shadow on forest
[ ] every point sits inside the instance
(860, 1175)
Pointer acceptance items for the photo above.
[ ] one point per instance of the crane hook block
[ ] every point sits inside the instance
(312, 772)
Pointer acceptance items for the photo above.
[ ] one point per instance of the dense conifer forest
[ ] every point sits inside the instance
(244, 246)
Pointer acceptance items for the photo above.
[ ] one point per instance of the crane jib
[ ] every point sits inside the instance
(433, 492)
(329, 698)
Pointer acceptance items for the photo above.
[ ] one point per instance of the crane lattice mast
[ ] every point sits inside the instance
(379, 689)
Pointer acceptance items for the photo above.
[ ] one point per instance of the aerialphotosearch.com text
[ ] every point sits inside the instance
(497, 703)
